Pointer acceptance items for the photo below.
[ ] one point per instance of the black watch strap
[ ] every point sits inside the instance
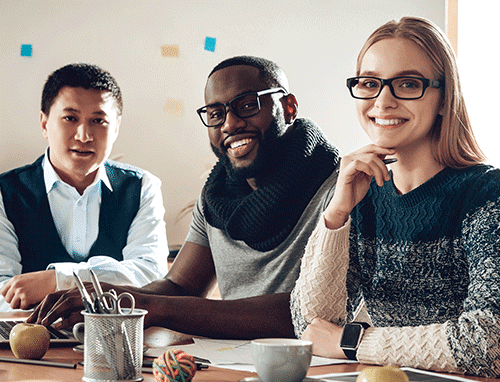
(351, 350)
(350, 354)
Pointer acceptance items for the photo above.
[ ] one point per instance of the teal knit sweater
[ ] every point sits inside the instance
(420, 254)
(432, 256)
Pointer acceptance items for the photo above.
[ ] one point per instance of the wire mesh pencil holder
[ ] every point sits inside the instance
(113, 346)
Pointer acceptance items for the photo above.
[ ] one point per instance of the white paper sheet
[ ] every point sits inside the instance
(230, 354)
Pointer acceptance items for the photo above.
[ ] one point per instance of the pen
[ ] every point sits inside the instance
(38, 362)
(389, 160)
(147, 366)
(98, 291)
(95, 282)
(87, 301)
(149, 363)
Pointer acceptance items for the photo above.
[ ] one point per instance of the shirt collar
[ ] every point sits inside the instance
(51, 178)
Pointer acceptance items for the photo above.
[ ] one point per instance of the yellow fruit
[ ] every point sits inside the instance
(382, 374)
(29, 341)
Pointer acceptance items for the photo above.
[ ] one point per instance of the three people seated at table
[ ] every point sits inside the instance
(73, 209)
(417, 247)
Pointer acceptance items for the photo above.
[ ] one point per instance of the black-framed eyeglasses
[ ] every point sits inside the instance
(243, 106)
(366, 87)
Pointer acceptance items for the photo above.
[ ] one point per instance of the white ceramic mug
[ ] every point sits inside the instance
(281, 359)
(78, 331)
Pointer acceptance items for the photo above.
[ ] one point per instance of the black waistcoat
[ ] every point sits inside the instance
(27, 207)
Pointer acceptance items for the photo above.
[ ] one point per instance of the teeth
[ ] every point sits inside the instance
(388, 122)
(240, 143)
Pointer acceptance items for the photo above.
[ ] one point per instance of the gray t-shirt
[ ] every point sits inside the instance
(244, 272)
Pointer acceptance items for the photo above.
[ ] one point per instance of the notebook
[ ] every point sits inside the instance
(56, 336)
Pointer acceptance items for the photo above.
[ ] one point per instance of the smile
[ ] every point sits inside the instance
(241, 147)
(388, 122)
(240, 143)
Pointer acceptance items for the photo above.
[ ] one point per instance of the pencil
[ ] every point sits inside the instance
(38, 362)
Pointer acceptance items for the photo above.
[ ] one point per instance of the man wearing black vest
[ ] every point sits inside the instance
(73, 209)
(274, 178)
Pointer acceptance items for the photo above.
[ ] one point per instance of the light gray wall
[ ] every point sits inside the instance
(315, 42)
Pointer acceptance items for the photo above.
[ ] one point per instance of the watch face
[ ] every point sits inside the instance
(350, 336)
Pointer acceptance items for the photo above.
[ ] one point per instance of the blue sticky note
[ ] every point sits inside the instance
(26, 50)
(210, 44)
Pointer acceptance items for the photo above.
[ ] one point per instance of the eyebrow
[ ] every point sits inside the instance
(399, 74)
(70, 109)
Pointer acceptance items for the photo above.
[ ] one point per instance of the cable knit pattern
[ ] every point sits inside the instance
(423, 347)
(322, 279)
(427, 265)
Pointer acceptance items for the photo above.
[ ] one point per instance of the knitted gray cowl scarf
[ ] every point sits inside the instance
(263, 218)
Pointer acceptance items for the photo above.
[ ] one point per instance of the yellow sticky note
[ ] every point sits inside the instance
(174, 107)
(170, 50)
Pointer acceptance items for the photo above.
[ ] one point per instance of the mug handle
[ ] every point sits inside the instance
(77, 332)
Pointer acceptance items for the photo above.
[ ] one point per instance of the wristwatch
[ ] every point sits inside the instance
(351, 338)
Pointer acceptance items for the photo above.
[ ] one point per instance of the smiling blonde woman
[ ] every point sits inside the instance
(417, 245)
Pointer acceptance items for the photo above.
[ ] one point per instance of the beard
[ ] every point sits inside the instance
(268, 154)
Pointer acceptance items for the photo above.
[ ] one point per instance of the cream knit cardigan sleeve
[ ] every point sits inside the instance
(321, 292)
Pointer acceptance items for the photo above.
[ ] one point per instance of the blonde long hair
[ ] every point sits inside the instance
(456, 145)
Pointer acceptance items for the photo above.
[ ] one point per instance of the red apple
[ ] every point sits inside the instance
(29, 341)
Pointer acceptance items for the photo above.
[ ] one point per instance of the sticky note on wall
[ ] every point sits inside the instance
(210, 44)
(26, 50)
(174, 107)
(170, 50)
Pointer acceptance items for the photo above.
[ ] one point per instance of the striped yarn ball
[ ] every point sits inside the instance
(174, 365)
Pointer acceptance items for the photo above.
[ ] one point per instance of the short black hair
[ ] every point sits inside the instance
(269, 72)
(82, 75)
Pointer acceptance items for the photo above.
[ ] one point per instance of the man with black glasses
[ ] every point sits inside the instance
(275, 175)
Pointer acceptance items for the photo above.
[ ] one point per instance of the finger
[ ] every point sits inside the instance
(373, 149)
(44, 307)
(69, 322)
(64, 307)
(33, 317)
(380, 172)
(24, 303)
(5, 289)
(357, 167)
(15, 302)
(20, 300)
(8, 292)
(369, 165)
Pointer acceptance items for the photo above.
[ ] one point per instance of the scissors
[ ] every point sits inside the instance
(109, 302)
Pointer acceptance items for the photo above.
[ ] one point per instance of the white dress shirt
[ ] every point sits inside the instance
(76, 218)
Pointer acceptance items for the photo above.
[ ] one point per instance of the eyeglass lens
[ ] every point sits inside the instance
(404, 87)
(243, 106)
